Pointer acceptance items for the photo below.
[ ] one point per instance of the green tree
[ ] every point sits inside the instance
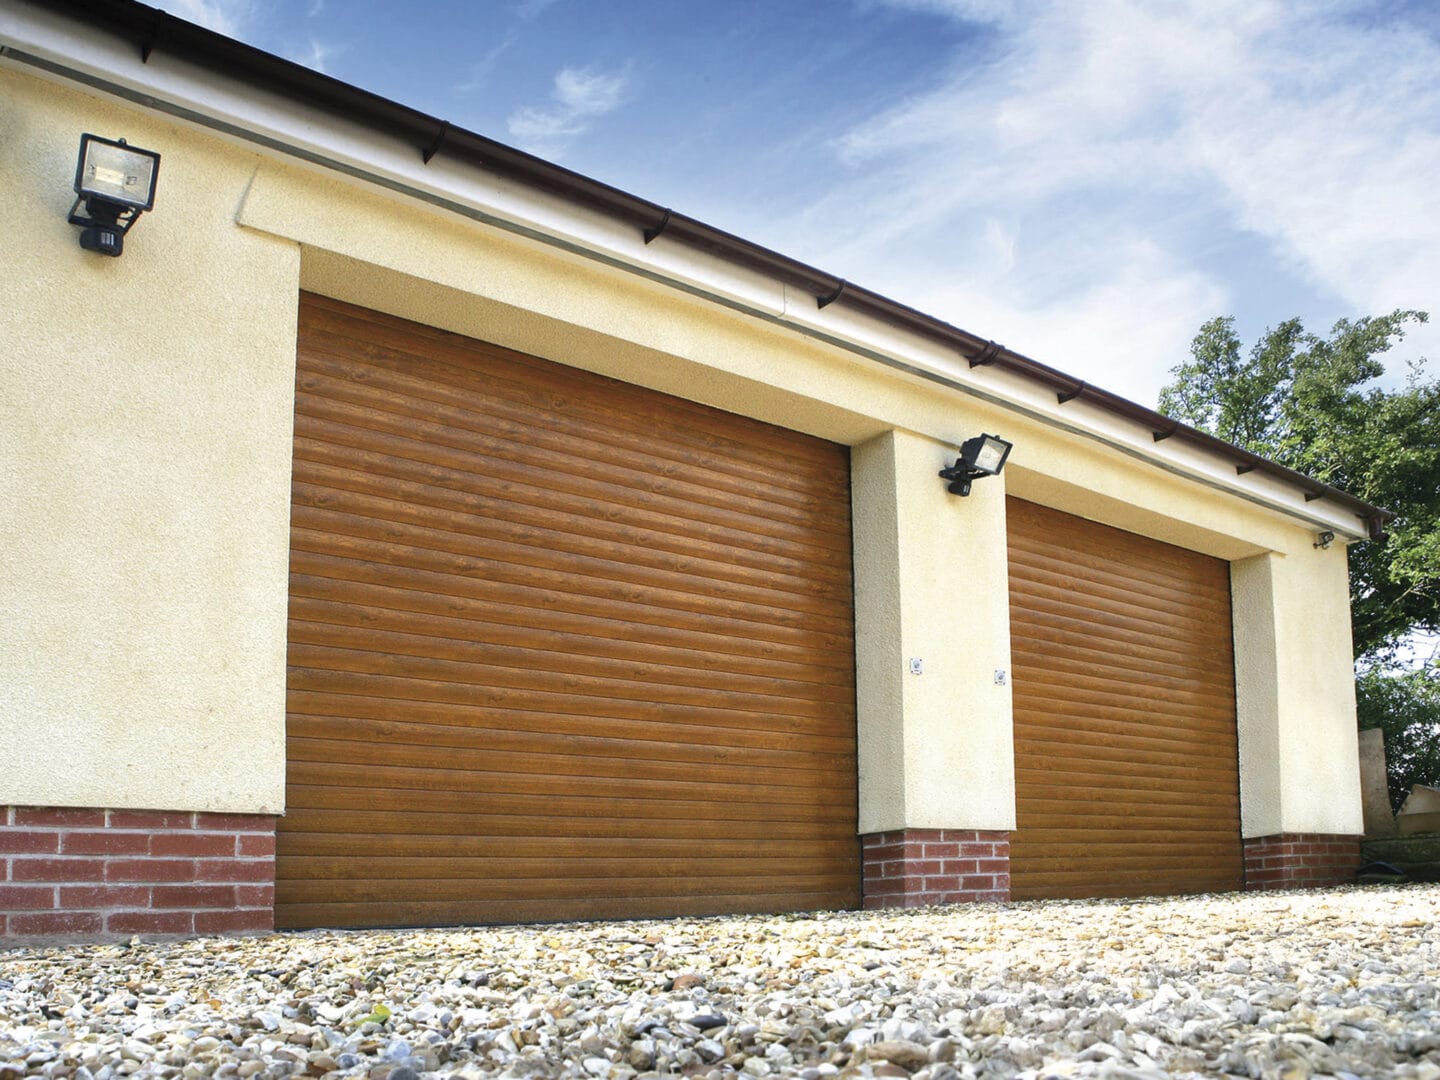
(1311, 403)
(1405, 705)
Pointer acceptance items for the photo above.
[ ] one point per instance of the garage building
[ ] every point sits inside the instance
(405, 530)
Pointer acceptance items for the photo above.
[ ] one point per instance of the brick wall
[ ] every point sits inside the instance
(1301, 861)
(72, 873)
(914, 867)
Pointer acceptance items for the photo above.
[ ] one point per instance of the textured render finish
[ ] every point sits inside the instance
(1295, 694)
(879, 659)
(1257, 694)
(145, 412)
(178, 434)
(419, 263)
(959, 744)
(1319, 744)
(936, 748)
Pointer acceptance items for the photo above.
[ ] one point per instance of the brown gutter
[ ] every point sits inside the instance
(149, 29)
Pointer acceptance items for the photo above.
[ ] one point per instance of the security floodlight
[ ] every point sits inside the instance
(984, 455)
(116, 182)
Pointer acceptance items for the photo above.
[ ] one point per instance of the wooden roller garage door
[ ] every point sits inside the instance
(560, 647)
(1124, 686)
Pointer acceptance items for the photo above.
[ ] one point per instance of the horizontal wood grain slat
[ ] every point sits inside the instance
(1073, 698)
(293, 914)
(511, 582)
(425, 639)
(560, 458)
(362, 473)
(325, 600)
(660, 850)
(1173, 589)
(701, 814)
(327, 493)
(356, 821)
(555, 641)
(463, 723)
(639, 885)
(1123, 809)
(532, 605)
(375, 341)
(1076, 825)
(1104, 548)
(1119, 753)
(442, 783)
(590, 758)
(695, 866)
(1145, 847)
(326, 370)
(498, 565)
(1083, 778)
(539, 688)
(1147, 622)
(1072, 638)
(1155, 884)
(1074, 623)
(1124, 720)
(444, 725)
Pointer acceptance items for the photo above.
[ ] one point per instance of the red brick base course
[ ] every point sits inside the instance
(1301, 861)
(67, 874)
(915, 867)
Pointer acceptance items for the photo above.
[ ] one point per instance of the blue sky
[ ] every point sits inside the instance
(1085, 181)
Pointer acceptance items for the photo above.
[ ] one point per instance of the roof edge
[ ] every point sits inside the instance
(147, 29)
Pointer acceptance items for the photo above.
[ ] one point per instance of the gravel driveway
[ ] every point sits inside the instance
(1277, 985)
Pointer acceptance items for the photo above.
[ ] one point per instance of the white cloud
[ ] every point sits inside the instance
(1088, 192)
(530, 10)
(580, 95)
(316, 55)
(976, 11)
(228, 17)
(478, 73)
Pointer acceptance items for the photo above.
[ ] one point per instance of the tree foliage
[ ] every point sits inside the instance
(1311, 403)
(1405, 705)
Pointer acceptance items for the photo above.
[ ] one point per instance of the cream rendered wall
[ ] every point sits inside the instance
(145, 414)
(1299, 749)
(181, 662)
(936, 748)
(915, 546)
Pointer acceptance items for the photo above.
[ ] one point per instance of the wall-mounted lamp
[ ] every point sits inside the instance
(1324, 539)
(116, 183)
(984, 455)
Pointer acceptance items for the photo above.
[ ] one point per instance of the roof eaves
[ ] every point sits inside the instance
(148, 29)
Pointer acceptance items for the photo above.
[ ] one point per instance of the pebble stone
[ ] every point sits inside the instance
(1271, 986)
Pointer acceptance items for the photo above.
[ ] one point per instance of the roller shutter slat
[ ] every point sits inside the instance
(380, 340)
(404, 610)
(383, 912)
(1124, 713)
(560, 647)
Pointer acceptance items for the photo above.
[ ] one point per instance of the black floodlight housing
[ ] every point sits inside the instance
(984, 455)
(116, 182)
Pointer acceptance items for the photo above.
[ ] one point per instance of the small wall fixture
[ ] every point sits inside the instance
(116, 183)
(1324, 539)
(984, 455)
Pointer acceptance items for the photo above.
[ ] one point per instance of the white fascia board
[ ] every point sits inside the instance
(931, 359)
(71, 50)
